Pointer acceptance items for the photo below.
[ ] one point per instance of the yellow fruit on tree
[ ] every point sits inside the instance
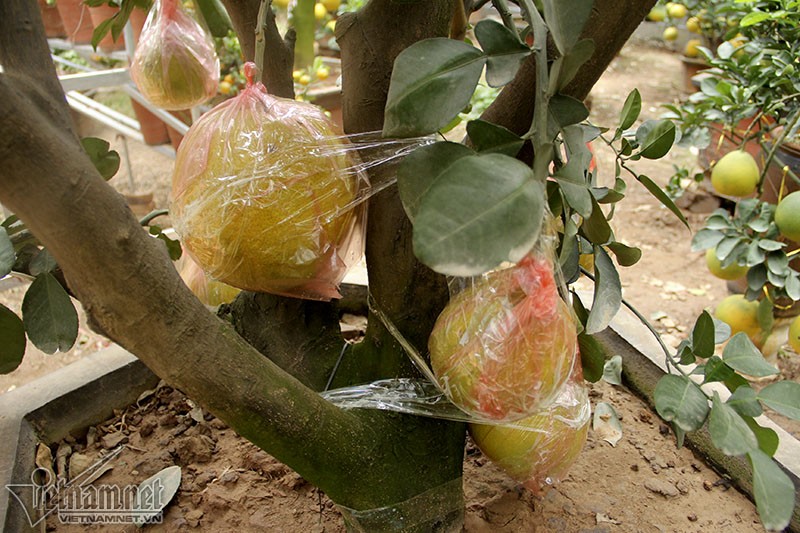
(657, 14)
(676, 11)
(735, 174)
(787, 216)
(693, 25)
(331, 5)
(794, 335)
(323, 73)
(670, 33)
(319, 11)
(730, 272)
(506, 344)
(741, 315)
(691, 49)
(263, 193)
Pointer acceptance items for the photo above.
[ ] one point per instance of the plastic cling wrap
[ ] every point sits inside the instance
(540, 453)
(503, 347)
(208, 291)
(266, 197)
(175, 65)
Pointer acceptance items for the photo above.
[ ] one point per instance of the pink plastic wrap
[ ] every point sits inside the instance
(175, 65)
(540, 453)
(503, 347)
(208, 291)
(265, 196)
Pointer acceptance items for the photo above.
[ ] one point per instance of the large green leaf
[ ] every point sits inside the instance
(106, 161)
(566, 20)
(662, 197)
(630, 110)
(626, 255)
(768, 440)
(715, 369)
(729, 432)
(215, 17)
(657, 138)
(773, 491)
(504, 50)
(679, 400)
(7, 255)
(741, 354)
(571, 62)
(491, 138)
(745, 401)
(593, 357)
(12, 340)
(566, 110)
(50, 318)
(482, 210)
(420, 169)
(703, 336)
(596, 228)
(607, 292)
(784, 397)
(432, 81)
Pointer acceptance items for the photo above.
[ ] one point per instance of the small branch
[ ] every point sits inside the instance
(505, 15)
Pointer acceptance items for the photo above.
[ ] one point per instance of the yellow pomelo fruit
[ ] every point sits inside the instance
(741, 315)
(263, 193)
(691, 49)
(794, 335)
(657, 14)
(670, 33)
(735, 174)
(731, 272)
(505, 345)
(537, 451)
(787, 216)
(331, 5)
(320, 12)
(676, 11)
(693, 25)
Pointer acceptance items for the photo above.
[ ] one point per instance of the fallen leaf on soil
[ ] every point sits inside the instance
(606, 424)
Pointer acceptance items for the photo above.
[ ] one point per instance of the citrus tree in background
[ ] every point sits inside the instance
(260, 366)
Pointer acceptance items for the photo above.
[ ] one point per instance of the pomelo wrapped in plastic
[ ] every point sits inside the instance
(265, 196)
(502, 348)
(538, 450)
(208, 291)
(175, 65)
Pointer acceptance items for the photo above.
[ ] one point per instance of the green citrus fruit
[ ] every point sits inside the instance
(670, 33)
(794, 335)
(735, 174)
(787, 216)
(506, 344)
(262, 196)
(538, 450)
(730, 272)
(741, 315)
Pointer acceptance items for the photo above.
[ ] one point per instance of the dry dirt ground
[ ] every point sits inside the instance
(642, 484)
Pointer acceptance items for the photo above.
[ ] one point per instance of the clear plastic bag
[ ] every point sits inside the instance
(267, 197)
(175, 65)
(208, 291)
(538, 450)
(504, 346)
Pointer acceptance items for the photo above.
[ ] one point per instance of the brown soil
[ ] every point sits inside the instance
(642, 484)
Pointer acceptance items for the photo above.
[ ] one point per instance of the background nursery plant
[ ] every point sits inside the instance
(458, 210)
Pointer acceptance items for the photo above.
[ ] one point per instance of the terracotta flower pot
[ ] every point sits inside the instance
(53, 27)
(153, 129)
(99, 15)
(77, 20)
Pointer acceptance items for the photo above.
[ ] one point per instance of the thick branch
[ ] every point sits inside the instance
(610, 25)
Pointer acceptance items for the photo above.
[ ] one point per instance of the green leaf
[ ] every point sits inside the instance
(766, 318)
(768, 440)
(566, 20)
(504, 50)
(100, 31)
(626, 255)
(703, 336)
(569, 255)
(681, 401)
(571, 62)
(745, 402)
(658, 139)
(432, 81)
(783, 397)
(481, 211)
(491, 138)
(7, 255)
(596, 228)
(42, 262)
(630, 110)
(421, 168)
(728, 430)
(104, 160)
(566, 110)
(705, 239)
(662, 197)
(773, 490)
(12, 340)
(715, 369)
(174, 248)
(593, 357)
(741, 354)
(754, 17)
(215, 17)
(49, 316)
(607, 292)
(612, 370)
